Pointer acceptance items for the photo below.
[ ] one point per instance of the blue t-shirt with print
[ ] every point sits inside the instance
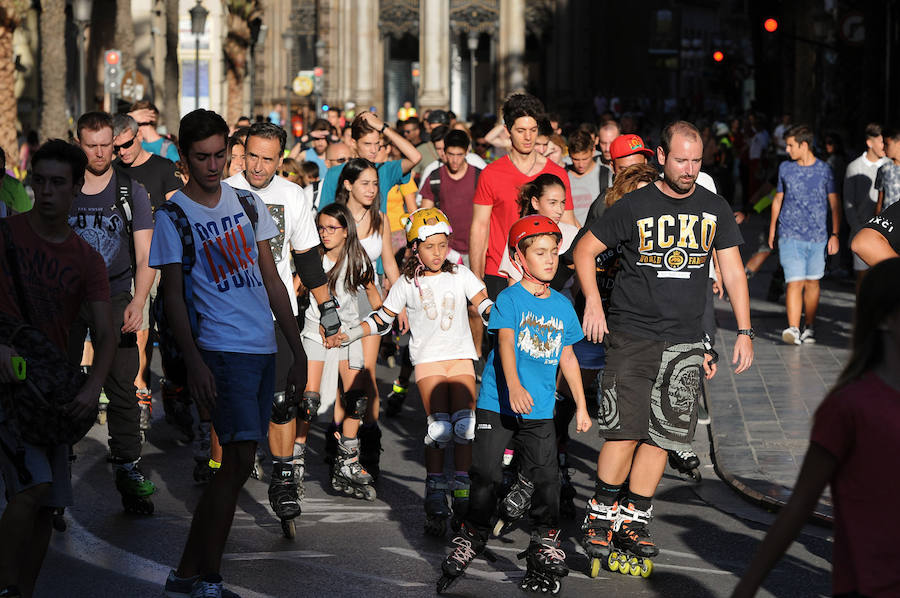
(804, 210)
(541, 327)
(232, 304)
(389, 174)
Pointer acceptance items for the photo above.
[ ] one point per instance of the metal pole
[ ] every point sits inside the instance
(472, 92)
(197, 73)
(289, 126)
(82, 69)
(251, 71)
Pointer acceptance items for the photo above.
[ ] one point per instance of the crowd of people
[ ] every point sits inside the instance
(279, 273)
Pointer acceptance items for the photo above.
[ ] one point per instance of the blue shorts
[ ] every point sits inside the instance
(802, 260)
(591, 356)
(245, 386)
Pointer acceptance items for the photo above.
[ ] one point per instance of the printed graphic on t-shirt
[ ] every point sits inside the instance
(541, 338)
(670, 243)
(101, 231)
(228, 247)
(277, 242)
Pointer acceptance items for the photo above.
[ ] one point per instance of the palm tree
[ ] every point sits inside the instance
(53, 62)
(170, 109)
(240, 14)
(124, 37)
(11, 14)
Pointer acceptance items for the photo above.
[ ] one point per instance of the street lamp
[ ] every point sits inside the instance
(198, 25)
(287, 40)
(82, 15)
(472, 43)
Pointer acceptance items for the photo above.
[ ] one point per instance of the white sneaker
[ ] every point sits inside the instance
(791, 335)
(808, 336)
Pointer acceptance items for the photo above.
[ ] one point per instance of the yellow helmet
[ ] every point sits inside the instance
(425, 222)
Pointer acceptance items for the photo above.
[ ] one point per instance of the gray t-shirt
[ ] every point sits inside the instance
(96, 219)
(585, 190)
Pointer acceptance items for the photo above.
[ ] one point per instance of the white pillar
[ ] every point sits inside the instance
(367, 49)
(434, 53)
(512, 46)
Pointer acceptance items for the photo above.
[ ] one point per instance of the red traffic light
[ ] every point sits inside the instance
(770, 25)
(318, 71)
(718, 56)
(112, 57)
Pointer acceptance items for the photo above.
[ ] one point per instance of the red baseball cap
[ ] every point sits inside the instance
(625, 145)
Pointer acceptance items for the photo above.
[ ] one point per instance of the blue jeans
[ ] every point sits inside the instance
(245, 385)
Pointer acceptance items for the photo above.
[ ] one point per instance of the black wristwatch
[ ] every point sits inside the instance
(748, 331)
(383, 127)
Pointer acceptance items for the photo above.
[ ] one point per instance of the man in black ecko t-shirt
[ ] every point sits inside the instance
(157, 175)
(649, 389)
(879, 240)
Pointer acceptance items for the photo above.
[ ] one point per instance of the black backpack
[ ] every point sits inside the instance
(434, 181)
(125, 205)
(169, 351)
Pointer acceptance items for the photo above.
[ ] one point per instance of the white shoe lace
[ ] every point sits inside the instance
(463, 553)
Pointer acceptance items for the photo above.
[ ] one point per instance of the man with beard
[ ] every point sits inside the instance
(667, 231)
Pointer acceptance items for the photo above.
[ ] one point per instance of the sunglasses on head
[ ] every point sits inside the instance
(126, 145)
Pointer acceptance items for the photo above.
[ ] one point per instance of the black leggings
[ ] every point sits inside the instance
(535, 441)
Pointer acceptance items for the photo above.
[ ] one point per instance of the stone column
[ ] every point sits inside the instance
(434, 54)
(367, 55)
(511, 53)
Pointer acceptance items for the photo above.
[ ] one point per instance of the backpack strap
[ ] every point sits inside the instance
(249, 205)
(188, 254)
(125, 205)
(603, 175)
(434, 181)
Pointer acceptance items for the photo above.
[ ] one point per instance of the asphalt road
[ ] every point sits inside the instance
(348, 547)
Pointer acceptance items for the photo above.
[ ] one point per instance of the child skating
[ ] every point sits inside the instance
(536, 328)
(436, 294)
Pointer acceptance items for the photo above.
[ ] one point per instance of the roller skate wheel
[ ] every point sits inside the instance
(336, 485)
(646, 568)
(498, 529)
(369, 493)
(634, 567)
(444, 582)
(435, 526)
(595, 567)
(695, 476)
(557, 586)
(288, 528)
(59, 522)
(101, 418)
(612, 561)
(137, 505)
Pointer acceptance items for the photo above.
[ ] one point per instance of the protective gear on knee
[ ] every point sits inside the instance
(355, 403)
(439, 431)
(463, 426)
(284, 407)
(309, 406)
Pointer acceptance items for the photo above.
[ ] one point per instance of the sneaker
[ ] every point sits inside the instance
(210, 586)
(808, 336)
(179, 587)
(791, 335)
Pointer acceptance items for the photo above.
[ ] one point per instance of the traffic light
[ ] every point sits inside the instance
(112, 77)
(415, 74)
(318, 72)
(718, 56)
(770, 25)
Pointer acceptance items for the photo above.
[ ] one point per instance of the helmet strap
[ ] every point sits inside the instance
(526, 274)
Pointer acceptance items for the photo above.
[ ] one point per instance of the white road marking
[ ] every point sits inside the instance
(275, 554)
(695, 569)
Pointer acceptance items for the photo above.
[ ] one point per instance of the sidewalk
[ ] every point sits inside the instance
(761, 419)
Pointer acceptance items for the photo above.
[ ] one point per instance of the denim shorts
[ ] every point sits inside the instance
(45, 464)
(591, 356)
(802, 260)
(245, 385)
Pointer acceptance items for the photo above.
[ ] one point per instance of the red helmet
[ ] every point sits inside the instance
(530, 226)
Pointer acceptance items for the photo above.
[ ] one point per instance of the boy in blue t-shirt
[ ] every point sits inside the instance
(805, 192)
(536, 328)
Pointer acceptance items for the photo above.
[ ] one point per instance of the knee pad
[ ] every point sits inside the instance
(463, 426)
(284, 407)
(309, 406)
(354, 403)
(439, 431)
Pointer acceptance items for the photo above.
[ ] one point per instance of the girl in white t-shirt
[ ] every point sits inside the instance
(348, 270)
(436, 294)
(545, 195)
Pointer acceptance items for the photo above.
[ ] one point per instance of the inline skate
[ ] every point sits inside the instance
(598, 526)
(299, 467)
(102, 408)
(514, 505)
(460, 501)
(347, 474)
(686, 463)
(395, 398)
(566, 489)
(436, 509)
(284, 497)
(633, 548)
(134, 487)
(468, 545)
(546, 564)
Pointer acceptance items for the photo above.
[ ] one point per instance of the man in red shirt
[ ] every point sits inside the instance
(59, 274)
(496, 198)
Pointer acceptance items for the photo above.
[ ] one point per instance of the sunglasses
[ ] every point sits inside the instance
(329, 229)
(285, 173)
(126, 145)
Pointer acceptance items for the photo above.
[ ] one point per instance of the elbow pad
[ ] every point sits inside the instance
(309, 267)
(482, 308)
(379, 322)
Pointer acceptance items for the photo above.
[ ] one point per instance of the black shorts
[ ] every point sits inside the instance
(649, 391)
(494, 285)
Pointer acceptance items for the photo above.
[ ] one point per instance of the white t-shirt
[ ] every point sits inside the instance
(291, 209)
(439, 317)
(471, 159)
(347, 310)
(569, 233)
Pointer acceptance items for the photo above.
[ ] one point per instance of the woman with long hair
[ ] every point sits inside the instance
(855, 447)
(358, 191)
